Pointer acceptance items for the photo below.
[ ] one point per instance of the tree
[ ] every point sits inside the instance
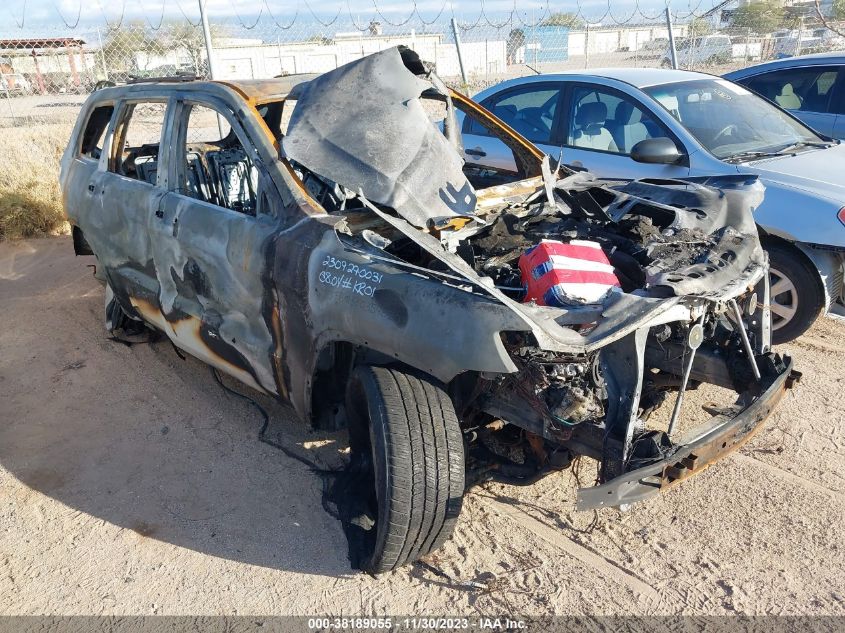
(699, 27)
(760, 17)
(122, 45)
(837, 12)
(563, 19)
(188, 38)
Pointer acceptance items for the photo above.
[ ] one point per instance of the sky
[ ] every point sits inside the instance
(66, 13)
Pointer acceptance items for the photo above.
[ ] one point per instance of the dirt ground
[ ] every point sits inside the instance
(131, 483)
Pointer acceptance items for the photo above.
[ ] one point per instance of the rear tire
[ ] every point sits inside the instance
(404, 433)
(797, 295)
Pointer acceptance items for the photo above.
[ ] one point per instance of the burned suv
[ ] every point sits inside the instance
(325, 241)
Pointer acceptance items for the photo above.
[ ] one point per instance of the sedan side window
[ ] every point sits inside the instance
(216, 165)
(608, 121)
(529, 110)
(803, 89)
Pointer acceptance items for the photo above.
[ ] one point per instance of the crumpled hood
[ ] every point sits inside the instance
(364, 127)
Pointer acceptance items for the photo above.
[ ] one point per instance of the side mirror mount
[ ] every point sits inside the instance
(660, 151)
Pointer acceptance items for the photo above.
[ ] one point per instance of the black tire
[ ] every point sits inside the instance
(404, 432)
(796, 307)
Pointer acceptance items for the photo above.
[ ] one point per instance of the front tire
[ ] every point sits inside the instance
(404, 434)
(797, 295)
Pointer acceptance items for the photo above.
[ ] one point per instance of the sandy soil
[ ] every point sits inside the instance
(131, 483)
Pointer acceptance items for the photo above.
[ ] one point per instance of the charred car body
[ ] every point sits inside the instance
(331, 248)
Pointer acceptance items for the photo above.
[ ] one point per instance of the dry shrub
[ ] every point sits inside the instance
(30, 198)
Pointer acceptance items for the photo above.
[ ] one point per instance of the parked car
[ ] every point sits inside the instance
(697, 51)
(812, 87)
(327, 244)
(789, 42)
(653, 48)
(653, 123)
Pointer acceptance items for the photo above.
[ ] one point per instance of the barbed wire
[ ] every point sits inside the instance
(240, 19)
(119, 23)
(154, 29)
(514, 18)
(314, 18)
(276, 22)
(185, 15)
(689, 15)
(314, 15)
(59, 13)
(437, 17)
(354, 21)
(395, 24)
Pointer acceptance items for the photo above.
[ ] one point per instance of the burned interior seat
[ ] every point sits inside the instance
(222, 176)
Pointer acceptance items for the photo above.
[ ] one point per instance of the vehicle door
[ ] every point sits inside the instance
(129, 189)
(214, 230)
(806, 92)
(531, 109)
(601, 125)
(83, 173)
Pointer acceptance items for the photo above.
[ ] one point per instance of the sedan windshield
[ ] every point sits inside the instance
(730, 121)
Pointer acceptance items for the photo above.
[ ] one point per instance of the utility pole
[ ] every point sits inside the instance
(206, 35)
(209, 53)
(459, 51)
(102, 54)
(672, 50)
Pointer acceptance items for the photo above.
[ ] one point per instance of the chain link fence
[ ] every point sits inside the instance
(45, 66)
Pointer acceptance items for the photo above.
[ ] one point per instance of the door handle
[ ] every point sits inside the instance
(477, 152)
(91, 187)
(159, 213)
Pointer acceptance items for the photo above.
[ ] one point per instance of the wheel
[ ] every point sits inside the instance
(404, 434)
(797, 296)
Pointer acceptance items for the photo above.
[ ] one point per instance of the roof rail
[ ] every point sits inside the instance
(165, 80)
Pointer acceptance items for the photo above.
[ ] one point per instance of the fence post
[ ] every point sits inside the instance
(460, 52)
(586, 44)
(672, 51)
(102, 56)
(206, 35)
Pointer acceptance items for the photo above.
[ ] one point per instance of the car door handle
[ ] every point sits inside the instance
(477, 152)
(159, 213)
(91, 187)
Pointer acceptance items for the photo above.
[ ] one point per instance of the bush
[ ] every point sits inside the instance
(30, 199)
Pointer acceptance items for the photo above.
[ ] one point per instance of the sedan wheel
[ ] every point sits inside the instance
(796, 293)
(784, 299)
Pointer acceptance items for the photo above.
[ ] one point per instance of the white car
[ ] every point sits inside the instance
(709, 49)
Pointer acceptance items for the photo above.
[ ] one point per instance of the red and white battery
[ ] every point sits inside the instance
(561, 274)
